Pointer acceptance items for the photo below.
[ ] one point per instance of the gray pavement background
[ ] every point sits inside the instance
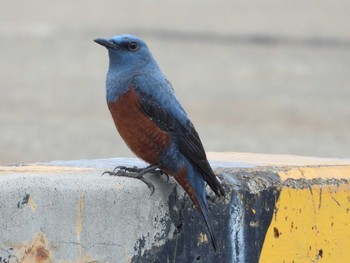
(254, 76)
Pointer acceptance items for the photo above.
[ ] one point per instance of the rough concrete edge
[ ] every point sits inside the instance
(258, 159)
(253, 180)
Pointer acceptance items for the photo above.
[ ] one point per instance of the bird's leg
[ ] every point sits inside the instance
(136, 173)
(128, 169)
(153, 169)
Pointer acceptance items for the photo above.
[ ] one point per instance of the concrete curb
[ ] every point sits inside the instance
(68, 212)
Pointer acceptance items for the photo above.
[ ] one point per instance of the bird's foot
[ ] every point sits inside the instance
(128, 169)
(134, 172)
(124, 173)
(154, 169)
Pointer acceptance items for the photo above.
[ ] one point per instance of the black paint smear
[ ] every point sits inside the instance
(24, 201)
(256, 208)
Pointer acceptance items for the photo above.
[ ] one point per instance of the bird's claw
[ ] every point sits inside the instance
(111, 173)
(167, 178)
(150, 185)
(127, 169)
(128, 172)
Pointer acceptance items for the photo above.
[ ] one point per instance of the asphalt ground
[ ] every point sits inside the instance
(254, 76)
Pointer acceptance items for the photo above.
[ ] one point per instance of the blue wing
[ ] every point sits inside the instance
(158, 101)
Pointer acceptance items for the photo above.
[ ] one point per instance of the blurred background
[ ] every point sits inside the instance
(254, 76)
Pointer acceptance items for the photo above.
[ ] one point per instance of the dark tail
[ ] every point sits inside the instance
(203, 210)
(193, 183)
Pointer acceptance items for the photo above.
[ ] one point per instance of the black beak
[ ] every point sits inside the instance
(106, 43)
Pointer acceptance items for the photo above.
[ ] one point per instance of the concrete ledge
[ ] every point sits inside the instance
(278, 209)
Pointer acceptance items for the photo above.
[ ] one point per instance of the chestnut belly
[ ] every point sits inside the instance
(139, 132)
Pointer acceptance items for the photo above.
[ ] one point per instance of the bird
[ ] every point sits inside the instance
(153, 124)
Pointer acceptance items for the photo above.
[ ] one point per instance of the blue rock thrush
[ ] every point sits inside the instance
(152, 122)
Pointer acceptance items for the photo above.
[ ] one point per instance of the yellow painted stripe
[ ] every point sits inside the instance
(40, 169)
(274, 159)
(324, 172)
(311, 224)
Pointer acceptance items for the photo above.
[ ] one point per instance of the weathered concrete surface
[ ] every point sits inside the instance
(65, 211)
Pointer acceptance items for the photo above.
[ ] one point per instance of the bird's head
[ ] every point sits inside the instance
(126, 51)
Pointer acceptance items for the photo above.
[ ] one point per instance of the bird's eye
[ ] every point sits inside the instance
(132, 46)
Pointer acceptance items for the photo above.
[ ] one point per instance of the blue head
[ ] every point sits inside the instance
(128, 56)
(127, 52)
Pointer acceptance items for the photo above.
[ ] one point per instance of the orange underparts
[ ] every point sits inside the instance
(181, 178)
(139, 132)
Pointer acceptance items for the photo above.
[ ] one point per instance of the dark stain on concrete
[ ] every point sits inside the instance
(24, 201)
(276, 233)
(250, 197)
